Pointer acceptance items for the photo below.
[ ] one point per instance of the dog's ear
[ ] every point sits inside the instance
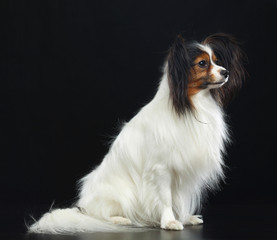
(178, 74)
(230, 56)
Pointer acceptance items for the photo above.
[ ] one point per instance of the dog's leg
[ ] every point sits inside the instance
(168, 220)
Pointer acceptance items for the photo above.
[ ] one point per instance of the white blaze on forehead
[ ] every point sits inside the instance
(208, 50)
(216, 69)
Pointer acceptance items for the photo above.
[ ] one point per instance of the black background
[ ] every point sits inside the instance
(72, 71)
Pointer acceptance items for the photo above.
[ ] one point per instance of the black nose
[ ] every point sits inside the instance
(225, 73)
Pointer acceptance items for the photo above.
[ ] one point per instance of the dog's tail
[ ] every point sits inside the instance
(72, 220)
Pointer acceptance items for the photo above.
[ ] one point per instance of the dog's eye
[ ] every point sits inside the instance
(203, 63)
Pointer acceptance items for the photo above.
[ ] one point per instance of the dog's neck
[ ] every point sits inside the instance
(201, 98)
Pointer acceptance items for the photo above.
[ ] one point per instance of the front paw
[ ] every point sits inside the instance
(172, 225)
(194, 220)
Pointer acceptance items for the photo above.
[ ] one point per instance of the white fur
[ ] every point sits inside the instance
(154, 172)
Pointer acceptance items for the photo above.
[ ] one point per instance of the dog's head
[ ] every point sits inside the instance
(215, 64)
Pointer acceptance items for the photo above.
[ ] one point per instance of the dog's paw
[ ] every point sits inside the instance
(120, 220)
(194, 220)
(172, 225)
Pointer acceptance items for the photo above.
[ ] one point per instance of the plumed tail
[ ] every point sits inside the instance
(71, 220)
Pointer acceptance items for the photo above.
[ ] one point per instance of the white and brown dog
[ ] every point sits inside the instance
(168, 154)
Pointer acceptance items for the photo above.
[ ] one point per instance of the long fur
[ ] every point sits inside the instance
(164, 158)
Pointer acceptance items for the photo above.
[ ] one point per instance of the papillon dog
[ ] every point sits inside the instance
(165, 158)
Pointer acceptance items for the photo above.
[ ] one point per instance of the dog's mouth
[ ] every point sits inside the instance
(218, 84)
(223, 80)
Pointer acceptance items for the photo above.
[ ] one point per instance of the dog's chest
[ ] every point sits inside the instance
(197, 142)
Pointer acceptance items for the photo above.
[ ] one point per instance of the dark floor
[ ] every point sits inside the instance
(220, 222)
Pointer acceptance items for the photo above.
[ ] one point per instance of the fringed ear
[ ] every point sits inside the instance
(178, 74)
(228, 51)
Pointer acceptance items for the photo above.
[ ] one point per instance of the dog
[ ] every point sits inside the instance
(165, 158)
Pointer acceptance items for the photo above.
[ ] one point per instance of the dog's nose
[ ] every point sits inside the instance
(224, 73)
